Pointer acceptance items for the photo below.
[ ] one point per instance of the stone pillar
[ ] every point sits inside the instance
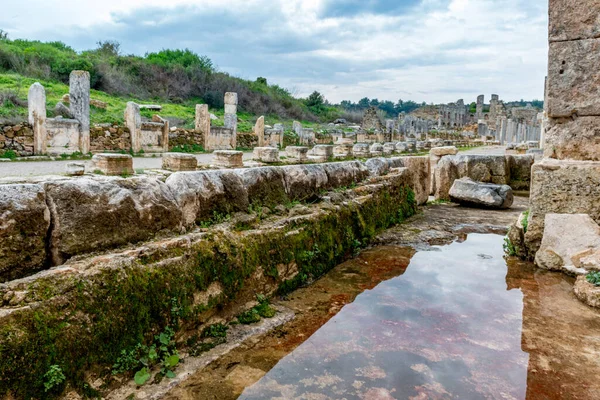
(231, 102)
(36, 104)
(503, 126)
(202, 123)
(79, 98)
(259, 130)
(494, 108)
(479, 112)
(133, 121)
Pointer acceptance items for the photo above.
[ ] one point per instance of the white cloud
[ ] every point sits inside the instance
(433, 50)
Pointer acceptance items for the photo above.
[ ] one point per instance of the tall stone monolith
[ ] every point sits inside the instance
(259, 130)
(79, 97)
(231, 102)
(203, 123)
(36, 104)
(479, 109)
(133, 121)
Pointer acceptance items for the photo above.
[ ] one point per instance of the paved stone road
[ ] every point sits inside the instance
(33, 168)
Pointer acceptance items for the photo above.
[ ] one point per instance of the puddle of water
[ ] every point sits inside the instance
(449, 327)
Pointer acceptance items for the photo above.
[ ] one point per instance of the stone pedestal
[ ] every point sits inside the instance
(361, 150)
(266, 154)
(342, 150)
(376, 150)
(75, 169)
(228, 159)
(113, 164)
(298, 153)
(79, 97)
(179, 162)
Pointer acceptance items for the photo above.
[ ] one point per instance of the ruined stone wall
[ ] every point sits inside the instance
(108, 137)
(566, 181)
(18, 138)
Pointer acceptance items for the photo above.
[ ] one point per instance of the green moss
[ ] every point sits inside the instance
(90, 324)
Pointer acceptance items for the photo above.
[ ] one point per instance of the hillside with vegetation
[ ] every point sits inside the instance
(175, 79)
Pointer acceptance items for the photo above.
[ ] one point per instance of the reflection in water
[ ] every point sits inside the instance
(447, 328)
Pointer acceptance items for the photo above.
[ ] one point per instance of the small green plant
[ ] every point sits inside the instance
(593, 278)
(438, 202)
(262, 310)
(217, 218)
(509, 248)
(188, 148)
(215, 331)
(162, 351)
(11, 154)
(525, 221)
(53, 378)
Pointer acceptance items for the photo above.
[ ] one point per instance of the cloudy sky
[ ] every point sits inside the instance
(424, 50)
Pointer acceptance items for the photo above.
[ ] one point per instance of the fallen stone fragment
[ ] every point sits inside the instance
(75, 169)
(587, 292)
(468, 192)
(568, 242)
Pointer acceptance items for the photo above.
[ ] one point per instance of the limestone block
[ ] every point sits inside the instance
(36, 104)
(343, 150)
(572, 20)
(361, 150)
(443, 151)
(200, 194)
(303, 182)
(93, 214)
(202, 121)
(62, 110)
(576, 138)
(259, 130)
(561, 187)
(133, 121)
(231, 98)
(419, 169)
(377, 166)
(466, 191)
(25, 223)
(75, 169)
(113, 164)
(567, 239)
(483, 168)
(298, 153)
(228, 158)
(265, 185)
(376, 150)
(79, 97)
(345, 174)
(323, 150)
(402, 147)
(574, 78)
(520, 171)
(266, 154)
(445, 173)
(230, 109)
(389, 149)
(587, 292)
(179, 162)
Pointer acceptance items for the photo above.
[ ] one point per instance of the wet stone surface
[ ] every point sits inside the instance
(434, 311)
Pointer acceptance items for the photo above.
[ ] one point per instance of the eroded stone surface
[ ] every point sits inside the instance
(92, 214)
(113, 164)
(266, 154)
(567, 239)
(562, 187)
(23, 228)
(587, 292)
(228, 158)
(465, 191)
(572, 20)
(443, 151)
(574, 79)
(520, 171)
(575, 138)
(179, 162)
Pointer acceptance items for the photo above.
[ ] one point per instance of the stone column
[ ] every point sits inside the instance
(503, 126)
(479, 112)
(259, 130)
(203, 122)
(36, 104)
(79, 98)
(133, 121)
(231, 102)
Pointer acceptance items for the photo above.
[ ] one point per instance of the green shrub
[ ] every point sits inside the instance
(594, 278)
